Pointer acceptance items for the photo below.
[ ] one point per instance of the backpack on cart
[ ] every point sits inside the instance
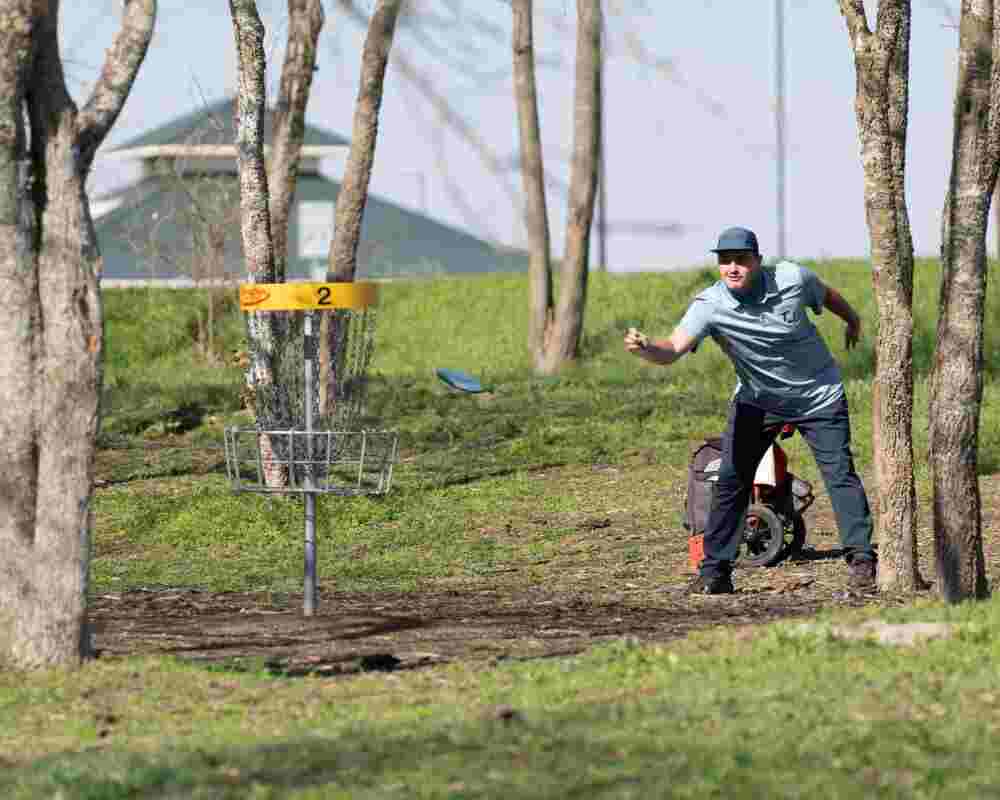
(703, 473)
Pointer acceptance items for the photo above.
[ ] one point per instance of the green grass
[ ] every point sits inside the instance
(200, 534)
(461, 456)
(776, 714)
(729, 713)
(609, 403)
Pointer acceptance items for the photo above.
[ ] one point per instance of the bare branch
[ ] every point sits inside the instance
(473, 55)
(454, 188)
(117, 76)
(447, 114)
(946, 10)
(857, 22)
(655, 229)
(305, 20)
(668, 69)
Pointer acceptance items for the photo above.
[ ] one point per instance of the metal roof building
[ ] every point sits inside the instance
(180, 219)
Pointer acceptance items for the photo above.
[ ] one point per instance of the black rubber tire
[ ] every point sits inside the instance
(763, 538)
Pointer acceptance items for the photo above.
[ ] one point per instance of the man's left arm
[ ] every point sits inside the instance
(836, 302)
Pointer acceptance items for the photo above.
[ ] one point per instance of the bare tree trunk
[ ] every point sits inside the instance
(533, 173)
(255, 221)
(882, 65)
(568, 328)
(957, 375)
(354, 188)
(50, 374)
(305, 21)
(342, 262)
(263, 328)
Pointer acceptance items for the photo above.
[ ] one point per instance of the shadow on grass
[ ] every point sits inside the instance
(361, 761)
(443, 477)
(812, 554)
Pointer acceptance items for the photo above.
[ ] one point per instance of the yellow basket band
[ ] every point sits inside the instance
(307, 296)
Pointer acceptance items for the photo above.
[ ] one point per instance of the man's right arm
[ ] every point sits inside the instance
(661, 351)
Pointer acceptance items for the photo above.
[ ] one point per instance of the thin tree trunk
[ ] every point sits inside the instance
(263, 328)
(255, 221)
(305, 21)
(882, 65)
(568, 328)
(533, 173)
(50, 375)
(354, 188)
(957, 375)
(353, 196)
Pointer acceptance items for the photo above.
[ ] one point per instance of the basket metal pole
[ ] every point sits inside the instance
(309, 593)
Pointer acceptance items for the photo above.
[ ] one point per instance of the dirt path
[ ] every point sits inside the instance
(586, 594)
(365, 631)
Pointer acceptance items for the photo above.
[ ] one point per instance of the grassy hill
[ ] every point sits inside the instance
(607, 404)
(539, 520)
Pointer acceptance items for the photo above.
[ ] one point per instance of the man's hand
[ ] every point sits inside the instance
(852, 334)
(838, 305)
(635, 340)
(658, 351)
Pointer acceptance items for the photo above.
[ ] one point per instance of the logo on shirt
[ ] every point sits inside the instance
(786, 313)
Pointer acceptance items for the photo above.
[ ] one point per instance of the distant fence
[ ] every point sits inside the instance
(167, 283)
(191, 283)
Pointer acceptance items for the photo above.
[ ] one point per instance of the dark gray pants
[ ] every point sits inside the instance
(748, 435)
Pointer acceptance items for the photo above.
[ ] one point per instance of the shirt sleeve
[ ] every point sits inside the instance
(697, 321)
(813, 290)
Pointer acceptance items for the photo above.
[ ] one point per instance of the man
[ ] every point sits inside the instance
(786, 373)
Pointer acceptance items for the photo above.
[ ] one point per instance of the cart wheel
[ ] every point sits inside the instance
(763, 537)
(795, 535)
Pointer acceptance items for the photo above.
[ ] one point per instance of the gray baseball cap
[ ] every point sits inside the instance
(737, 239)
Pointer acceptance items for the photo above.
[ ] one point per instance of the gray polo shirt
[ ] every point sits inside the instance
(783, 364)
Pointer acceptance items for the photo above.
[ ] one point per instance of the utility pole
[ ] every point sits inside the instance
(602, 161)
(779, 120)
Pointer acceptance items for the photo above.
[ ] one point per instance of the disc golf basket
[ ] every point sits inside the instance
(306, 440)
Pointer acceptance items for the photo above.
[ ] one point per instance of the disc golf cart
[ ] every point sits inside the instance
(773, 526)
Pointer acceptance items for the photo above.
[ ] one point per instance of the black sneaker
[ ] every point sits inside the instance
(861, 578)
(722, 584)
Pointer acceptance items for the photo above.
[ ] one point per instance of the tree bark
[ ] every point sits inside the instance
(50, 374)
(957, 373)
(255, 220)
(342, 261)
(264, 329)
(354, 188)
(533, 174)
(882, 66)
(305, 21)
(567, 330)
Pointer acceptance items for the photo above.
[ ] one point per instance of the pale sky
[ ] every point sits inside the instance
(691, 143)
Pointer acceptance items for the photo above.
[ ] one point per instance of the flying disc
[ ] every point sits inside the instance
(461, 381)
